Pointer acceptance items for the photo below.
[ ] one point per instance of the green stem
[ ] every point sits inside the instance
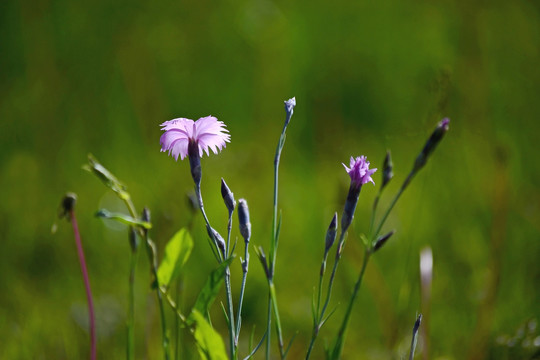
(375, 203)
(245, 267)
(316, 319)
(274, 240)
(232, 329)
(268, 325)
(153, 265)
(134, 255)
(394, 201)
(131, 309)
(178, 340)
(173, 306)
(232, 336)
(336, 354)
(278, 321)
(339, 250)
(220, 258)
(215, 247)
(274, 243)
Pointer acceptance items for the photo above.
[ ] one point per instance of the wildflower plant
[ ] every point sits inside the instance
(184, 138)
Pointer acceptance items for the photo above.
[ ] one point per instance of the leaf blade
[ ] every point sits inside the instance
(177, 252)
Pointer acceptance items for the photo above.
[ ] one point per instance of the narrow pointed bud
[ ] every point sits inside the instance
(243, 220)
(289, 109)
(382, 240)
(417, 324)
(350, 206)
(331, 233)
(132, 237)
(195, 162)
(145, 216)
(220, 242)
(228, 196)
(68, 205)
(431, 144)
(387, 173)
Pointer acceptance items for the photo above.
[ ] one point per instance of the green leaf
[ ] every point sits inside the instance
(209, 343)
(124, 219)
(177, 252)
(210, 290)
(106, 177)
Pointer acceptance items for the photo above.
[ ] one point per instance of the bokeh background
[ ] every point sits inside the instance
(99, 77)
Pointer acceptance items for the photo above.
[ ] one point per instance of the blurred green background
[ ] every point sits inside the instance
(99, 77)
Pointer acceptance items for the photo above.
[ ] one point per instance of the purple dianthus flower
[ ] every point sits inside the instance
(360, 174)
(207, 132)
(359, 171)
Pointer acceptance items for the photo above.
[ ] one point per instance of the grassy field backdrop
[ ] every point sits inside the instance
(99, 77)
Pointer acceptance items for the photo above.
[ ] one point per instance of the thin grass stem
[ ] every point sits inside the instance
(131, 307)
(245, 267)
(338, 347)
(316, 319)
(153, 266)
(278, 321)
(221, 257)
(84, 270)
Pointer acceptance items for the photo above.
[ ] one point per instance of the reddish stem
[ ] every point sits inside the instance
(84, 271)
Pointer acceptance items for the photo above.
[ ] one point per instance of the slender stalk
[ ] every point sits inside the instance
(394, 201)
(289, 107)
(220, 258)
(274, 240)
(278, 321)
(320, 320)
(341, 243)
(173, 305)
(230, 311)
(153, 265)
(131, 307)
(215, 248)
(317, 319)
(268, 325)
(336, 354)
(86, 279)
(232, 330)
(134, 255)
(245, 267)
(177, 337)
(374, 209)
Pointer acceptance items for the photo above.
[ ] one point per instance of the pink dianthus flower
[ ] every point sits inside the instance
(207, 132)
(359, 171)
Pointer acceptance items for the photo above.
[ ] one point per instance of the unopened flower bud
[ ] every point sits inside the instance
(68, 204)
(382, 240)
(243, 219)
(331, 233)
(132, 237)
(220, 242)
(195, 162)
(431, 144)
(417, 324)
(145, 216)
(289, 109)
(228, 196)
(387, 173)
(350, 206)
